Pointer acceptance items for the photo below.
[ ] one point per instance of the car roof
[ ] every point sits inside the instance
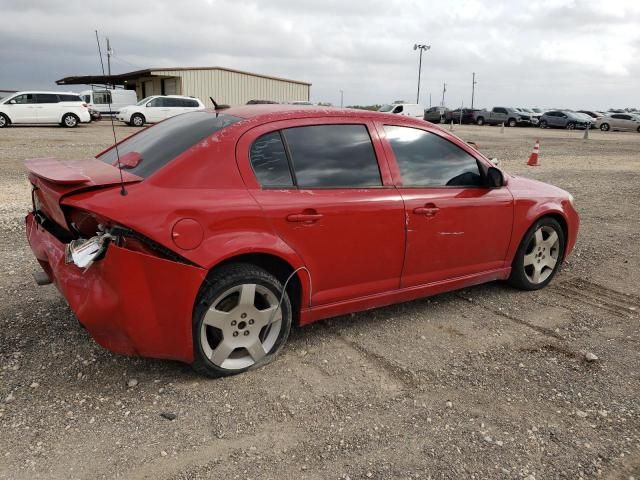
(42, 91)
(172, 96)
(274, 112)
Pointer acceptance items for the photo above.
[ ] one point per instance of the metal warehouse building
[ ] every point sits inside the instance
(224, 85)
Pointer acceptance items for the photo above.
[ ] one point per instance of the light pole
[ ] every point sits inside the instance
(422, 48)
(473, 88)
(341, 98)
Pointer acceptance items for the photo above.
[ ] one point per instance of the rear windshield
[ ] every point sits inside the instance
(161, 143)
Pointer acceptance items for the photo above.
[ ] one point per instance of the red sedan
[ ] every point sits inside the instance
(222, 228)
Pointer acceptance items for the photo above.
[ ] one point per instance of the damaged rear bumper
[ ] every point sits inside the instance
(131, 303)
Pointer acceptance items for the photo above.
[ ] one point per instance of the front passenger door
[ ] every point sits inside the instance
(456, 226)
(155, 110)
(22, 109)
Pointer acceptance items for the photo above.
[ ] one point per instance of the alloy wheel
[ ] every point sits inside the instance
(70, 121)
(241, 326)
(542, 254)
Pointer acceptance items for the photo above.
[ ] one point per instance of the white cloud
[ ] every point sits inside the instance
(552, 52)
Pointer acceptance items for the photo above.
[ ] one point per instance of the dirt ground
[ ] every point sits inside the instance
(484, 383)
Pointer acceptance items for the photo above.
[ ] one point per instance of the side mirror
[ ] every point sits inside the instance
(495, 179)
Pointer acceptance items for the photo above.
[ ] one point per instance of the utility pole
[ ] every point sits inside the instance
(429, 100)
(473, 88)
(109, 55)
(341, 98)
(444, 89)
(422, 48)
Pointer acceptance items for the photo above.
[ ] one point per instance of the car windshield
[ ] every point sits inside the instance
(386, 108)
(537, 110)
(143, 101)
(160, 144)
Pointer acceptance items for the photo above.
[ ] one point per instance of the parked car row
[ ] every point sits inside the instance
(71, 109)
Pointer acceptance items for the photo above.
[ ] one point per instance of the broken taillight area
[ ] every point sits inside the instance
(83, 252)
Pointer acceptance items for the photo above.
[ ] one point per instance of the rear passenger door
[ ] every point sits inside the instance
(326, 189)
(48, 108)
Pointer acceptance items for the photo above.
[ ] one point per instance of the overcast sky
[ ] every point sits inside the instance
(549, 53)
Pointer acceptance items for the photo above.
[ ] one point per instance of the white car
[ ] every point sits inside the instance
(157, 108)
(619, 121)
(406, 109)
(65, 109)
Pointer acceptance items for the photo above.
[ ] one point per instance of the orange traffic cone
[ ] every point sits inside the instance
(533, 159)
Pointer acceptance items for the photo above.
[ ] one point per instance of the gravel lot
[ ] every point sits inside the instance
(483, 383)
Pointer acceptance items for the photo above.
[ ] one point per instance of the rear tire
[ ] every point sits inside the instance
(137, 120)
(480, 121)
(539, 255)
(237, 325)
(605, 127)
(69, 120)
(4, 121)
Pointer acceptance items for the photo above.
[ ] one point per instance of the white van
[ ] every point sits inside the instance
(99, 99)
(158, 107)
(406, 109)
(66, 109)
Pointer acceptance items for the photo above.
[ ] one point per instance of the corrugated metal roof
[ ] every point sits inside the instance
(118, 79)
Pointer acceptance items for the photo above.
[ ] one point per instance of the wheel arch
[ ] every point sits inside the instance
(559, 217)
(298, 288)
(8, 118)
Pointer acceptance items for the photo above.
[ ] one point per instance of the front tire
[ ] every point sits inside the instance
(539, 255)
(4, 121)
(237, 323)
(69, 120)
(480, 121)
(137, 120)
(571, 126)
(543, 124)
(605, 127)
(512, 122)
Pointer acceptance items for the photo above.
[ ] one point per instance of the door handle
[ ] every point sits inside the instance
(429, 210)
(305, 217)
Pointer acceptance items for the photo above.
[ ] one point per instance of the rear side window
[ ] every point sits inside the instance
(69, 98)
(46, 98)
(332, 156)
(190, 103)
(428, 160)
(161, 143)
(269, 161)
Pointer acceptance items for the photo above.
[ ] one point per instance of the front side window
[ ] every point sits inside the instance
(333, 156)
(23, 99)
(156, 102)
(269, 161)
(428, 160)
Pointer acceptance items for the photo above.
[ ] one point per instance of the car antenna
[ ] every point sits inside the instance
(123, 192)
(215, 105)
